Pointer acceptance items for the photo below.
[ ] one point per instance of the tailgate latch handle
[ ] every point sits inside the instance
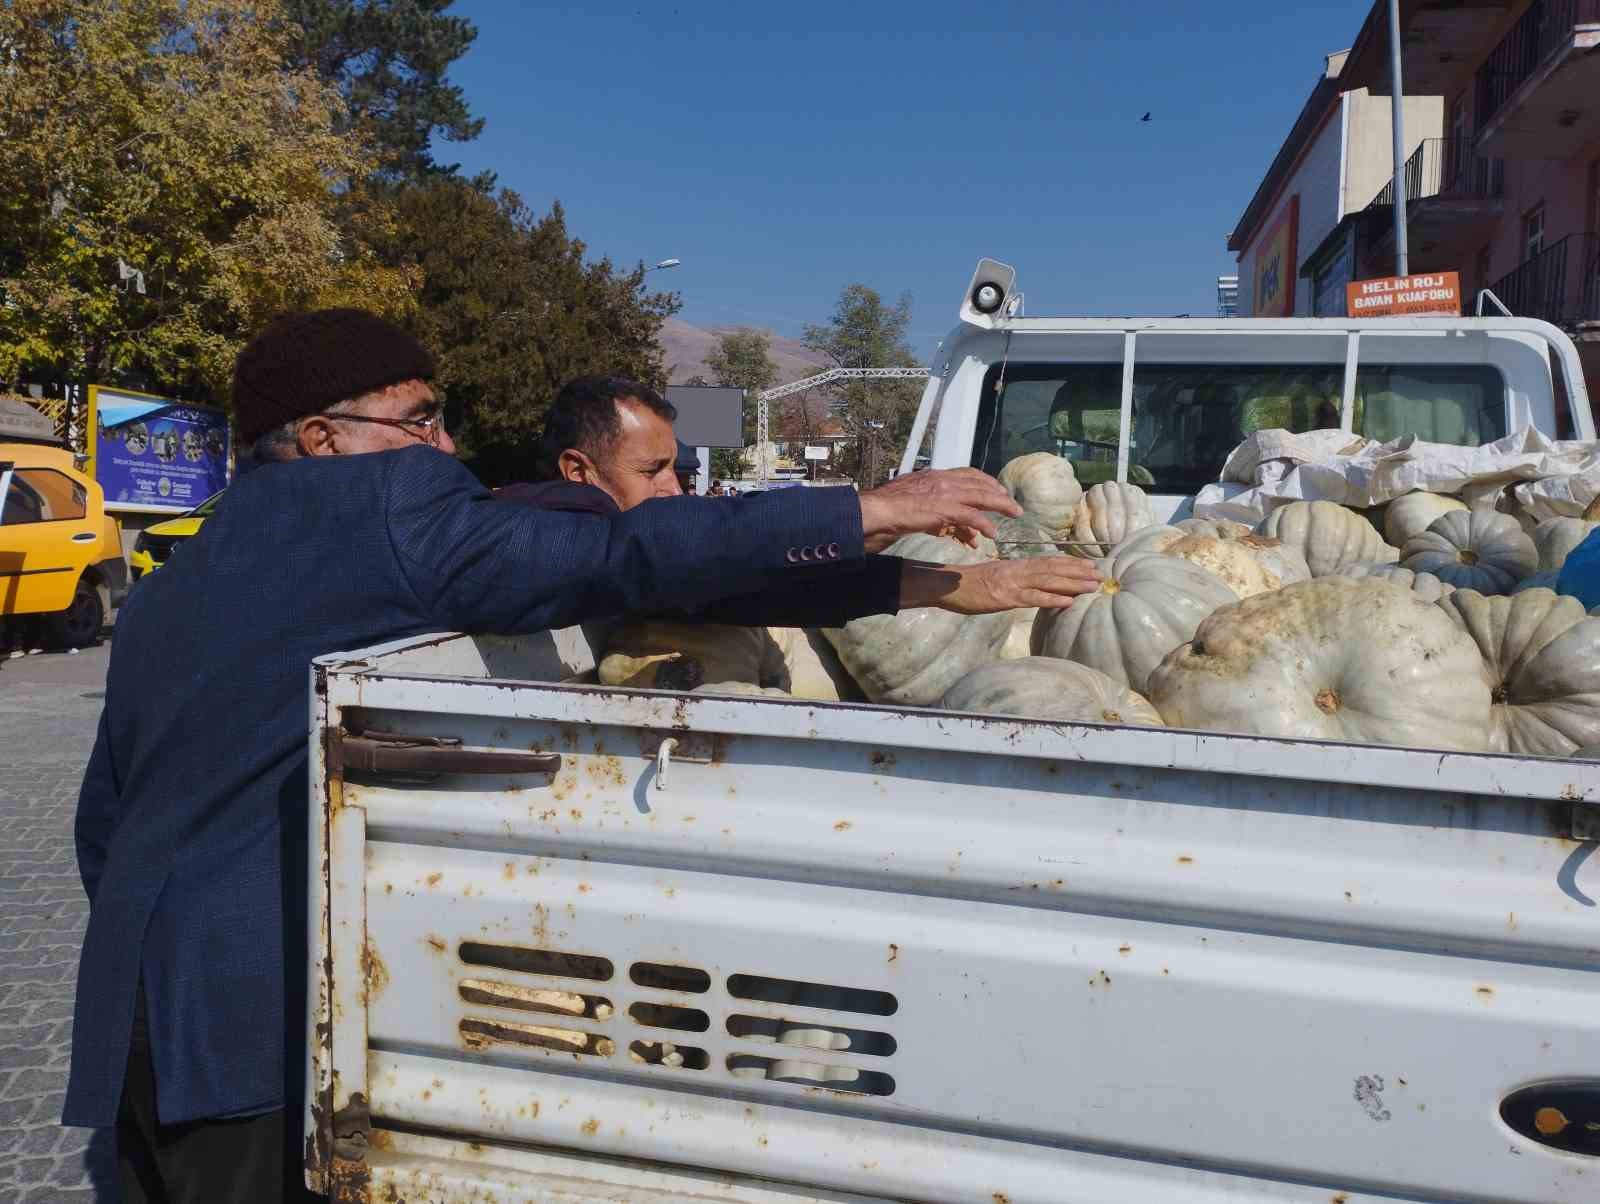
(397, 752)
(663, 759)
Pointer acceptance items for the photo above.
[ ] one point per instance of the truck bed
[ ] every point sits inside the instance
(908, 954)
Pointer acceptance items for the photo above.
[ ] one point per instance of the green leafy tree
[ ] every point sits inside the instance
(170, 186)
(727, 464)
(743, 360)
(513, 308)
(390, 60)
(864, 332)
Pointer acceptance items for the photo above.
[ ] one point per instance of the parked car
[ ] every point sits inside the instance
(155, 543)
(60, 552)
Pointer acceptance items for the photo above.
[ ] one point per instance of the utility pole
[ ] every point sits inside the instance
(1402, 257)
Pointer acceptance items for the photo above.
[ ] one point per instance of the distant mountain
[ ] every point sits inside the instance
(685, 347)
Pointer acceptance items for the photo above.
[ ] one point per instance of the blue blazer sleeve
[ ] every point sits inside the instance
(835, 594)
(99, 809)
(476, 564)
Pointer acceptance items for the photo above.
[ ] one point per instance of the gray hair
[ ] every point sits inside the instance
(282, 443)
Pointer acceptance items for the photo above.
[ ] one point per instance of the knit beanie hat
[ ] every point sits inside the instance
(304, 363)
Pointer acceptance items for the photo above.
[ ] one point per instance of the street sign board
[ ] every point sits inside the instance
(1392, 296)
(816, 453)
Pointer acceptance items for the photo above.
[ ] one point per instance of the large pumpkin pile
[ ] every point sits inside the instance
(1423, 623)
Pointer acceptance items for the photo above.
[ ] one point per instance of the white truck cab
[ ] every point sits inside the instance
(1160, 402)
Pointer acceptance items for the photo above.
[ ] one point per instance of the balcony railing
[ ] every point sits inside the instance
(1538, 33)
(1447, 167)
(1561, 284)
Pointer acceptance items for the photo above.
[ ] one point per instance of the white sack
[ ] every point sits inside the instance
(1271, 468)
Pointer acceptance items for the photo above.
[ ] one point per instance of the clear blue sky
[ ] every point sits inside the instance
(785, 150)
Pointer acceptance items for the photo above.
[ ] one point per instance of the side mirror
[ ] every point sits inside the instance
(989, 295)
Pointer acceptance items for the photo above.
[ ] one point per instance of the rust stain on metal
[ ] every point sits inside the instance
(374, 974)
(584, 888)
(350, 1179)
(576, 814)
(844, 825)
(1124, 949)
(589, 1127)
(894, 952)
(1000, 1197)
(436, 944)
(1185, 859)
(510, 871)
(1550, 1121)
(1100, 979)
(434, 878)
(1486, 992)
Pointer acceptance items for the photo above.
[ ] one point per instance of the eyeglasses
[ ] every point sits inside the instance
(427, 428)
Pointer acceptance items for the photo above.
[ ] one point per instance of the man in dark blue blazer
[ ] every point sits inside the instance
(358, 528)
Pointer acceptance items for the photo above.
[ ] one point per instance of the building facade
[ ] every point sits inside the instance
(1227, 296)
(1291, 241)
(1507, 192)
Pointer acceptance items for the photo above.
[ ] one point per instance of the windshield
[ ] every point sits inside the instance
(1187, 417)
(204, 509)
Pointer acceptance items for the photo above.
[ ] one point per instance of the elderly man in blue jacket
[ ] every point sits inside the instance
(358, 527)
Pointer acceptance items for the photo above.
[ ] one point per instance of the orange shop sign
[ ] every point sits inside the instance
(1434, 293)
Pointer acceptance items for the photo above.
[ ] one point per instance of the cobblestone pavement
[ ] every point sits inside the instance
(49, 705)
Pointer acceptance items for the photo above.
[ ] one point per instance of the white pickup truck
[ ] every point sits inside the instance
(579, 943)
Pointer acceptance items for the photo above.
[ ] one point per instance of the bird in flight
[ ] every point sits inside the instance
(1146, 117)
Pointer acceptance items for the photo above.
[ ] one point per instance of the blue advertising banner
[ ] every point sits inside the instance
(154, 454)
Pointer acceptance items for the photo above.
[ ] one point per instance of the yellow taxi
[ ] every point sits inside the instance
(155, 543)
(60, 552)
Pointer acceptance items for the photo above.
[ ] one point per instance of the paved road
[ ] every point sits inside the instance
(49, 705)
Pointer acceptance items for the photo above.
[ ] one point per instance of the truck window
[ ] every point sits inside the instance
(1188, 417)
(1073, 410)
(42, 495)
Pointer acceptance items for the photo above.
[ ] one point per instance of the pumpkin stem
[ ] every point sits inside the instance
(1467, 556)
(1110, 586)
(1591, 512)
(1327, 701)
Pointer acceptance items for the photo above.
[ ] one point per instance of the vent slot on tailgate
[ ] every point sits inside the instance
(812, 995)
(534, 999)
(815, 1036)
(548, 962)
(478, 1033)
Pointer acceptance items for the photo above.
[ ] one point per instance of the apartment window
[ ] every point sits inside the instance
(1533, 232)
